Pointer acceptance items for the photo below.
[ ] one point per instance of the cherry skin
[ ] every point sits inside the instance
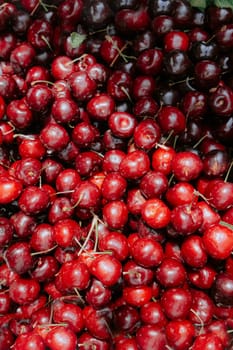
(147, 252)
(171, 273)
(10, 189)
(180, 334)
(98, 295)
(176, 40)
(61, 336)
(114, 186)
(152, 313)
(155, 213)
(33, 200)
(147, 134)
(207, 340)
(115, 242)
(134, 165)
(19, 257)
(153, 335)
(28, 340)
(137, 295)
(217, 241)
(171, 119)
(176, 303)
(136, 275)
(70, 313)
(186, 166)
(24, 291)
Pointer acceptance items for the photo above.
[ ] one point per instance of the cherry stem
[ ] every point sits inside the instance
(168, 137)
(76, 59)
(199, 318)
(41, 81)
(182, 81)
(226, 224)
(200, 141)
(79, 296)
(126, 93)
(47, 42)
(93, 223)
(44, 251)
(228, 171)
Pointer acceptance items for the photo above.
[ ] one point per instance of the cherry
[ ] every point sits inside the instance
(10, 189)
(180, 334)
(54, 137)
(217, 241)
(72, 274)
(186, 219)
(136, 275)
(122, 124)
(162, 24)
(134, 165)
(69, 313)
(87, 341)
(171, 273)
(126, 318)
(67, 180)
(224, 35)
(147, 252)
(203, 277)
(207, 340)
(31, 147)
(176, 40)
(7, 231)
(221, 101)
(19, 257)
(61, 336)
(153, 335)
(88, 163)
(82, 86)
(24, 225)
(45, 269)
(137, 295)
(65, 110)
(98, 295)
(150, 61)
(101, 106)
(28, 340)
(176, 302)
(24, 291)
(219, 195)
(6, 338)
(132, 20)
(125, 343)
(65, 232)
(155, 213)
(222, 289)
(186, 166)
(39, 97)
(33, 200)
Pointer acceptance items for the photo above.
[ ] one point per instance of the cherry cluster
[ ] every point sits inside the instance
(116, 191)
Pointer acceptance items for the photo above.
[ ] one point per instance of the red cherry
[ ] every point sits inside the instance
(10, 189)
(218, 241)
(107, 269)
(115, 214)
(147, 252)
(134, 165)
(180, 334)
(176, 303)
(155, 213)
(61, 336)
(176, 40)
(24, 291)
(207, 340)
(153, 335)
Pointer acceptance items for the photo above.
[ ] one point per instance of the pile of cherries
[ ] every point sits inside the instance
(116, 191)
